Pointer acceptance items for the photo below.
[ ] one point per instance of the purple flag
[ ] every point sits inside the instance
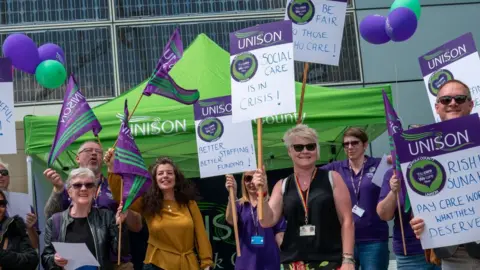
(395, 126)
(161, 83)
(130, 165)
(76, 118)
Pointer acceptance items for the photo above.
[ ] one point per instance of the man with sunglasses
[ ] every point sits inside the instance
(453, 101)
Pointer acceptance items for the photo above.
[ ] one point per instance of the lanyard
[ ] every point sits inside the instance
(357, 192)
(305, 198)
(254, 218)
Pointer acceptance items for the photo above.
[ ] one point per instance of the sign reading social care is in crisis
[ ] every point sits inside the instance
(8, 138)
(262, 71)
(223, 147)
(317, 29)
(456, 59)
(441, 166)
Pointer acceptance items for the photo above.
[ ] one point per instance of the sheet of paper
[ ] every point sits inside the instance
(78, 255)
(19, 204)
(382, 168)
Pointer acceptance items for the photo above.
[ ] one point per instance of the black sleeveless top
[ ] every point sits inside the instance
(326, 244)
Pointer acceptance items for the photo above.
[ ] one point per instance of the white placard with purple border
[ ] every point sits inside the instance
(456, 59)
(441, 167)
(262, 71)
(8, 138)
(317, 29)
(223, 146)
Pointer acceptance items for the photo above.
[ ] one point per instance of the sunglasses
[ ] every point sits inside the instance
(248, 178)
(4, 172)
(3, 203)
(460, 99)
(300, 147)
(86, 185)
(352, 143)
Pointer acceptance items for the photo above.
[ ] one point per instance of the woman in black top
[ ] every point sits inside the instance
(16, 251)
(320, 232)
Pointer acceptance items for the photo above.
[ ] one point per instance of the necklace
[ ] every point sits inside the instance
(169, 208)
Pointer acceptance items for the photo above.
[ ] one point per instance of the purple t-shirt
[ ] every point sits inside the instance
(369, 227)
(266, 257)
(411, 242)
(104, 198)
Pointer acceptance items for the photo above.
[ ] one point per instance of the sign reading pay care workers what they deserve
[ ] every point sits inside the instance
(441, 167)
(262, 71)
(8, 138)
(223, 146)
(456, 59)
(317, 29)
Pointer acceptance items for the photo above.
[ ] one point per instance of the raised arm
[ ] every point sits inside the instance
(272, 209)
(343, 205)
(58, 200)
(230, 183)
(388, 204)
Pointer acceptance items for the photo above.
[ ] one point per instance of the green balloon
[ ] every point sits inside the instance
(414, 5)
(50, 74)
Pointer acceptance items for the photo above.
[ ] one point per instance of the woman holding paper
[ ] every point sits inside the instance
(175, 224)
(259, 246)
(82, 223)
(371, 232)
(16, 252)
(316, 206)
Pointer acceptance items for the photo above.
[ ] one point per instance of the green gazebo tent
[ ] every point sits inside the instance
(163, 127)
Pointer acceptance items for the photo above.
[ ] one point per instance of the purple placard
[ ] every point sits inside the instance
(212, 107)
(261, 36)
(438, 139)
(448, 53)
(6, 70)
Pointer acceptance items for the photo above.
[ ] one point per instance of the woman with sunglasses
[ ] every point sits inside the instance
(16, 252)
(31, 219)
(83, 223)
(316, 206)
(371, 232)
(177, 237)
(259, 246)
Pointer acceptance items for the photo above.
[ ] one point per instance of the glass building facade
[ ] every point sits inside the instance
(113, 45)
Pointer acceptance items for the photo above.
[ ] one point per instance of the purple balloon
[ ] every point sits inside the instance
(401, 24)
(372, 29)
(22, 51)
(51, 51)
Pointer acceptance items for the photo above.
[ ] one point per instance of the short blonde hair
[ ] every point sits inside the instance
(3, 164)
(81, 173)
(304, 132)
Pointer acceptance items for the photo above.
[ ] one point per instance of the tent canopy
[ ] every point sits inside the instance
(163, 127)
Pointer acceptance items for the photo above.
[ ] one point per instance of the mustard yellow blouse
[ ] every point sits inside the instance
(171, 241)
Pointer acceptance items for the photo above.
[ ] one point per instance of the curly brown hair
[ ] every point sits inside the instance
(184, 190)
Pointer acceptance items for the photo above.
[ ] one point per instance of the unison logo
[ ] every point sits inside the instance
(426, 142)
(151, 126)
(443, 57)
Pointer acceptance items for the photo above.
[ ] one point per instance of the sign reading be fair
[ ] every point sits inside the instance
(441, 167)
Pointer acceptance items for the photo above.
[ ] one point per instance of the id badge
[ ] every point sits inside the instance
(307, 230)
(357, 210)
(257, 240)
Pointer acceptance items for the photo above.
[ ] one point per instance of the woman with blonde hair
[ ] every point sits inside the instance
(316, 206)
(259, 246)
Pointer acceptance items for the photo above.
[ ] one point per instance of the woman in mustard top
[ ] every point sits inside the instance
(174, 221)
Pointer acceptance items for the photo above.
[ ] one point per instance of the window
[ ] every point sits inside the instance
(139, 48)
(88, 53)
(18, 12)
(128, 9)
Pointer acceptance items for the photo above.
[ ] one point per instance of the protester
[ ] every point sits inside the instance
(83, 223)
(31, 218)
(16, 252)
(453, 101)
(371, 233)
(90, 156)
(259, 246)
(320, 233)
(176, 231)
(387, 210)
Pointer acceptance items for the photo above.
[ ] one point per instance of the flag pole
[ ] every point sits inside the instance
(302, 97)
(98, 140)
(235, 220)
(119, 249)
(401, 220)
(130, 116)
(260, 166)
